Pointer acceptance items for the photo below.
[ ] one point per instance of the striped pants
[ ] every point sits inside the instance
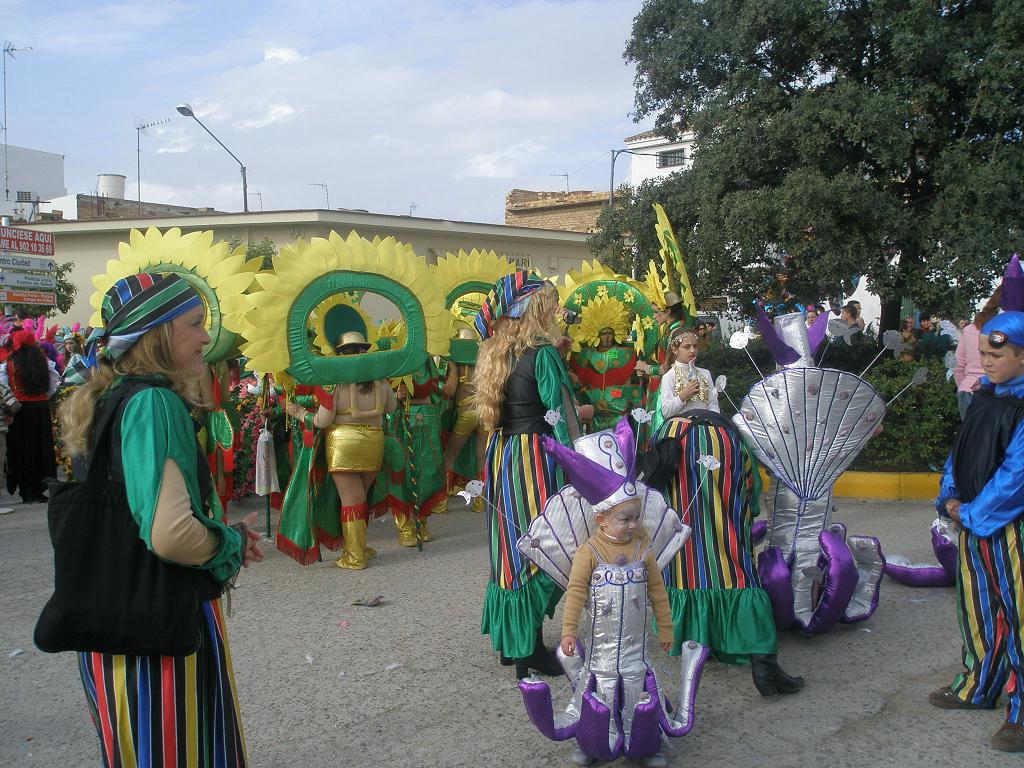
(990, 594)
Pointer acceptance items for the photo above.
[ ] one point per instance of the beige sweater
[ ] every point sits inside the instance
(583, 564)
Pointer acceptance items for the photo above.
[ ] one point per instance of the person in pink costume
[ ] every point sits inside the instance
(968, 370)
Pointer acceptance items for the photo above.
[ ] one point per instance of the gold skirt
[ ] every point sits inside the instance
(467, 421)
(354, 448)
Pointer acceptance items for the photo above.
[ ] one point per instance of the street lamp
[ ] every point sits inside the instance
(615, 156)
(186, 110)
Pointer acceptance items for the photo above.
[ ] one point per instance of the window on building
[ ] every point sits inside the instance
(24, 197)
(672, 159)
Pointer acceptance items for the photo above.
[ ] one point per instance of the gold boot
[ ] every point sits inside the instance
(406, 530)
(353, 529)
(425, 535)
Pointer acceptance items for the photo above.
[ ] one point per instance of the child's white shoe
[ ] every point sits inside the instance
(579, 758)
(656, 761)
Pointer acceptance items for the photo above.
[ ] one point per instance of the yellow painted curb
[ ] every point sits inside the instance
(895, 486)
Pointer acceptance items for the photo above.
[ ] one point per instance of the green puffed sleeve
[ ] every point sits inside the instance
(555, 391)
(156, 427)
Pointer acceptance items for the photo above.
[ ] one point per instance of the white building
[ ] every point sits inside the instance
(32, 176)
(659, 156)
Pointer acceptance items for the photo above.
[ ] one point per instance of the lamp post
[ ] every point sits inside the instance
(615, 156)
(186, 110)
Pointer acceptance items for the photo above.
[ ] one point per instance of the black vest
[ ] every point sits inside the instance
(522, 412)
(981, 443)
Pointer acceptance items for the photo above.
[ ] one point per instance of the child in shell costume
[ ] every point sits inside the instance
(617, 707)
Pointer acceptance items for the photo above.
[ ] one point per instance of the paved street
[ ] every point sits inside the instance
(412, 682)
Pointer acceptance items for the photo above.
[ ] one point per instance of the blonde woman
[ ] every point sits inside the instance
(144, 363)
(519, 380)
(352, 415)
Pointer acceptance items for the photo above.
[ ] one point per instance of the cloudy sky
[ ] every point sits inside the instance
(447, 104)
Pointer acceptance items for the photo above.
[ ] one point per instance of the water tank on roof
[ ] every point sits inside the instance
(110, 185)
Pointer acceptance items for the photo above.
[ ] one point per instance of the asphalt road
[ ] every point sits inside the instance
(412, 682)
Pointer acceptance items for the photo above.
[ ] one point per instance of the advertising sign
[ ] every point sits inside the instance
(26, 241)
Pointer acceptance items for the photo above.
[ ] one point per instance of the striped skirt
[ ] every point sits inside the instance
(167, 711)
(714, 593)
(716, 505)
(519, 478)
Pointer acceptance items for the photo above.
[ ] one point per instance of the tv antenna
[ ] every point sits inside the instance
(139, 128)
(327, 196)
(563, 175)
(412, 207)
(9, 50)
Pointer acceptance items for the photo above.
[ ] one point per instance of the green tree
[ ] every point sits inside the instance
(264, 250)
(65, 290)
(834, 138)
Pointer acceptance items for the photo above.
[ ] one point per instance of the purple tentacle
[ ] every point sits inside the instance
(758, 531)
(867, 556)
(595, 726)
(840, 581)
(645, 735)
(773, 571)
(901, 570)
(537, 699)
(694, 656)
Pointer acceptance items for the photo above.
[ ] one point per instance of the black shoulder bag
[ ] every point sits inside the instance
(111, 594)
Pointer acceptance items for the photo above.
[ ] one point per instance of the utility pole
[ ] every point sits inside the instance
(9, 50)
(138, 154)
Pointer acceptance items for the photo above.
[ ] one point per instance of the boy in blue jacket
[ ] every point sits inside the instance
(982, 490)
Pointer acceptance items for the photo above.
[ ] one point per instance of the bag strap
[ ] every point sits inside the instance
(97, 463)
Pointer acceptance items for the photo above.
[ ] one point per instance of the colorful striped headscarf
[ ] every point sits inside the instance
(506, 299)
(132, 306)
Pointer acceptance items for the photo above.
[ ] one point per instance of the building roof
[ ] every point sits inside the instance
(651, 134)
(342, 219)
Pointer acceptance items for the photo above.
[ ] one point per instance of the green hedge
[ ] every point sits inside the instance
(919, 426)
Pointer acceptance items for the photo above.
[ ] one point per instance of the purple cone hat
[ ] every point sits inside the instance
(602, 487)
(1012, 297)
(781, 351)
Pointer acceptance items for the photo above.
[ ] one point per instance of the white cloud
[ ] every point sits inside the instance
(501, 163)
(283, 55)
(272, 114)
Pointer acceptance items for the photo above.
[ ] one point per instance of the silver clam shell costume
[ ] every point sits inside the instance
(617, 707)
(807, 424)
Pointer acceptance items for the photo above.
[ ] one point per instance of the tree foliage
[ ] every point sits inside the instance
(65, 290)
(264, 250)
(834, 138)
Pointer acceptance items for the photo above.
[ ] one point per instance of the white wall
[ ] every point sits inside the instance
(645, 166)
(30, 170)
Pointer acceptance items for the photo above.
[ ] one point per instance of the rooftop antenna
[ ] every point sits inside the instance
(139, 128)
(563, 175)
(412, 207)
(260, 196)
(327, 196)
(9, 50)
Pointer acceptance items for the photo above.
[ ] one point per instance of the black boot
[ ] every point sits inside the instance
(787, 683)
(764, 674)
(769, 678)
(542, 659)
